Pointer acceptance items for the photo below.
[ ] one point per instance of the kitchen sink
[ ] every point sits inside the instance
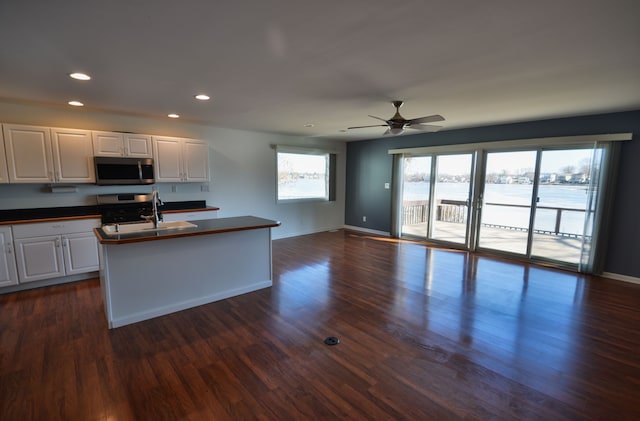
(115, 229)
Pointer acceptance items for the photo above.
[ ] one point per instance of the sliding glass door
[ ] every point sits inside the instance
(416, 196)
(538, 203)
(435, 197)
(451, 198)
(506, 201)
(563, 222)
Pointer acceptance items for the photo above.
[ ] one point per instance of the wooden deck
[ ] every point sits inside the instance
(426, 334)
(554, 247)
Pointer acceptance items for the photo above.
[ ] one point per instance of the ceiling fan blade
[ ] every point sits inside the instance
(427, 119)
(378, 118)
(387, 132)
(424, 127)
(364, 127)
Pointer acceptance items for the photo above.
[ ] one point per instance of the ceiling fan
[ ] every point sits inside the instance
(396, 124)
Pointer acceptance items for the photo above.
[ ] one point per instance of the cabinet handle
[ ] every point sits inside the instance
(51, 176)
(9, 248)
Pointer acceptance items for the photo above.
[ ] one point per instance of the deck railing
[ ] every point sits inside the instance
(456, 211)
(558, 220)
(417, 212)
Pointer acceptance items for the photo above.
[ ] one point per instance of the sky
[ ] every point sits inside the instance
(512, 162)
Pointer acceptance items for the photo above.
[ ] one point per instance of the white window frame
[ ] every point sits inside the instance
(327, 179)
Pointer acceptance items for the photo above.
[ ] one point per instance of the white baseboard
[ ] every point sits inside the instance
(49, 282)
(619, 277)
(168, 309)
(366, 230)
(301, 233)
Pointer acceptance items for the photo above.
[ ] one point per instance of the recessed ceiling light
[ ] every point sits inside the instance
(80, 76)
(76, 103)
(309, 125)
(202, 97)
(172, 115)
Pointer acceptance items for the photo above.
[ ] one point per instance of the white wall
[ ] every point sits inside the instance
(243, 169)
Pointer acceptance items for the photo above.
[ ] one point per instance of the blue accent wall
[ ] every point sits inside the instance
(369, 167)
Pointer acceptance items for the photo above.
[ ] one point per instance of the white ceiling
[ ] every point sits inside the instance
(277, 65)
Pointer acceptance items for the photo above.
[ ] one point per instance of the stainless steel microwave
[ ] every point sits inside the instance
(123, 171)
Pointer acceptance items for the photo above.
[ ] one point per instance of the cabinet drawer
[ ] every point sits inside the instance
(54, 228)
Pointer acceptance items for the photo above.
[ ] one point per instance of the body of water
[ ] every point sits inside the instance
(550, 195)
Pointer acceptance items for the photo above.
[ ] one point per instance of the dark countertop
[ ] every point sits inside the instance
(19, 216)
(203, 227)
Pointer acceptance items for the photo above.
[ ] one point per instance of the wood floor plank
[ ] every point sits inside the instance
(425, 334)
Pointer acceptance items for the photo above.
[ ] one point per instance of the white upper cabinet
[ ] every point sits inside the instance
(180, 160)
(196, 160)
(168, 159)
(107, 143)
(4, 174)
(73, 156)
(43, 155)
(28, 150)
(137, 145)
(122, 144)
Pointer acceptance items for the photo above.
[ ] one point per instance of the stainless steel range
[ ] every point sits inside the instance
(126, 207)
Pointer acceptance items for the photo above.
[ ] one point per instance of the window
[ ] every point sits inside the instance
(305, 175)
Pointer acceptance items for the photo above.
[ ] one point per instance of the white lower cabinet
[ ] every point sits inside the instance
(51, 250)
(39, 258)
(81, 253)
(8, 272)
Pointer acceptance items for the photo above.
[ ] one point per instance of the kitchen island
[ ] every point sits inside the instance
(156, 272)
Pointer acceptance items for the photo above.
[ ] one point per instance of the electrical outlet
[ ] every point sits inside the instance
(387, 186)
(174, 188)
(364, 219)
(204, 187)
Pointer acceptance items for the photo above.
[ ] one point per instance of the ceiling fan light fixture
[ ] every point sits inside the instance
(396, 124)
(79, 76)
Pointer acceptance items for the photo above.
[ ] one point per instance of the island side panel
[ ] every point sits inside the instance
(149, 279)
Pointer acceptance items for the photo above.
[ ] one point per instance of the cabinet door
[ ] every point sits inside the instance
(80, 253)
(196, 160)
(28, 149)
(168, 159)
(8, 273)
(107, 143)
(137, 146)
(39, 258)
(73, 156)
(4, 174)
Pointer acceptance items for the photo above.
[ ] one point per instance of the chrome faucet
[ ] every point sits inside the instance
(155, 200)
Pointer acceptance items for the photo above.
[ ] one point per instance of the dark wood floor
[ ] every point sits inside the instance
(425, 334)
